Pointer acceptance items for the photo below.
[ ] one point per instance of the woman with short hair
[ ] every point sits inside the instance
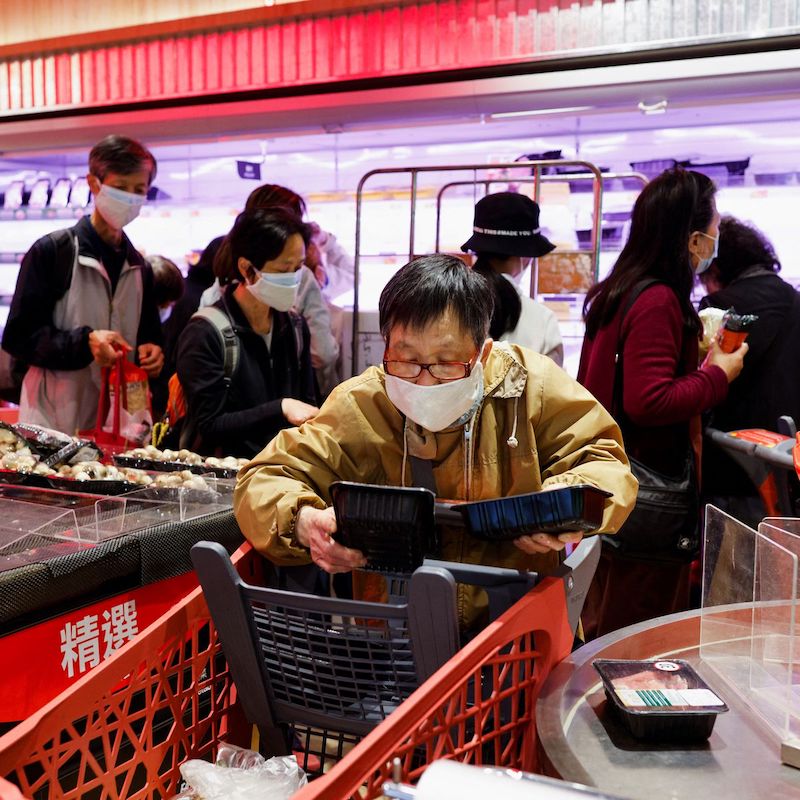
(744, 276)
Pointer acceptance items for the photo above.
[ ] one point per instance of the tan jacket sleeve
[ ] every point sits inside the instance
(297, 469)
(579, 442)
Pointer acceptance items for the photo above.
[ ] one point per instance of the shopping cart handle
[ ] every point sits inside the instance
(577, 572)
(480, 575)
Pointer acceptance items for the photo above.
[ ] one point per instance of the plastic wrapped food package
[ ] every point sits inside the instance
(712, 322)
(152, 458)
(16, 455)
(240, 774)
(49, 441)
(660, 699)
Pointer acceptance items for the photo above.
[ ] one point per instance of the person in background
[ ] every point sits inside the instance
(331, 264)
(85, 297)
(168, 288)
(744, 276)
(505, 236)
(488, 419)
(199, 278)
(168, 284)
(309, 303)
(673, 236)
(273, 385)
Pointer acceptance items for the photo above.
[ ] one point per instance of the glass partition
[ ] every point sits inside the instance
(748, 629)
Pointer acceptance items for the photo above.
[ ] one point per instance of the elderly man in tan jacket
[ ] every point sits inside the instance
(492, 419)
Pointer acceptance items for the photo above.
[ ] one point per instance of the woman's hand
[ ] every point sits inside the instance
(296, 411)
(313, 528)
(730, 363)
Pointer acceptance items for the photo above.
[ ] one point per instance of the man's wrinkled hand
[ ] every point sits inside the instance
(536, 543)
(313, 529)
(107, 346)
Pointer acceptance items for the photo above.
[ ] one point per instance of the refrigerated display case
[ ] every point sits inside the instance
(80, 574)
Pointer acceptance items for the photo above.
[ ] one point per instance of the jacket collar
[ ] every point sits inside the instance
(89, 243)
(504, 376)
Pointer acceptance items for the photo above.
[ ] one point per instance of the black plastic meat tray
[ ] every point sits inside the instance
(662, 700)
(567, 508)
(392, 526)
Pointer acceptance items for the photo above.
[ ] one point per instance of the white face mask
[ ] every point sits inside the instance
(277, 290)
(440, 406)
(116, 207)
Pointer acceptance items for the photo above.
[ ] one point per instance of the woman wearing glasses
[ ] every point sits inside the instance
(450, 410)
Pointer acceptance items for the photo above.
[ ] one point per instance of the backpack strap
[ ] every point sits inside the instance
(65, 243)
(221, 323)
(297, 329)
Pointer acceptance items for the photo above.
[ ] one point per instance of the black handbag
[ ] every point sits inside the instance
(664, 524)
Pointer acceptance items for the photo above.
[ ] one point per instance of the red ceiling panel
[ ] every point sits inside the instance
(319, 41)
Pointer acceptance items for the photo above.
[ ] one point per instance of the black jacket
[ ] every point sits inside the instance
(768, 386)
(242, 418)
(43, 280)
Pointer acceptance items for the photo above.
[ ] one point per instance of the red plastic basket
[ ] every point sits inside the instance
(479, 708)
(124, 729)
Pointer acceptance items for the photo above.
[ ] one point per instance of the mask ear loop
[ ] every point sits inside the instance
(405, 454)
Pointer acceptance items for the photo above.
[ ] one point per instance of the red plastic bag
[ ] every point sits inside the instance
(124, 413)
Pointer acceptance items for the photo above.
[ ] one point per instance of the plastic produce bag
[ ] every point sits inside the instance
(124, 418)
(136, 417)
(241, 774)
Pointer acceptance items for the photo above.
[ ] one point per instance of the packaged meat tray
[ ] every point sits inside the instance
(662, 699)
(393, 527)
(567, 508)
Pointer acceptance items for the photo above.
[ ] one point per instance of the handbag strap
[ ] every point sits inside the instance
(101, 400)
(120, 395)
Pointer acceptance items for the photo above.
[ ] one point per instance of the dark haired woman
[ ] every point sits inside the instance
(744, 276)
(309, 302)
(506, 233)
(674, 232)
(272, 386)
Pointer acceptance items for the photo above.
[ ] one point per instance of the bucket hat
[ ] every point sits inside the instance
(507, 223)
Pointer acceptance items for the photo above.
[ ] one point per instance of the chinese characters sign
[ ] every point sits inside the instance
(95, 637)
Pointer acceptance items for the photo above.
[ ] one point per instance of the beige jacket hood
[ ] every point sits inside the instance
(563, 436)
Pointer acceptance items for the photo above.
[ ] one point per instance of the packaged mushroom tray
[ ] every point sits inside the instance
(19, 461)
(97, 478)
(151, 458)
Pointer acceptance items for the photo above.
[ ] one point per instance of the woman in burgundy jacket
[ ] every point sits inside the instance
(674, 232)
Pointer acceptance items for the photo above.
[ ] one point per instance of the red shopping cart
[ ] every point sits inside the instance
(124, 729)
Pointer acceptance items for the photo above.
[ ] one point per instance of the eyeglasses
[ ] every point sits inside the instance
(441, 370)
